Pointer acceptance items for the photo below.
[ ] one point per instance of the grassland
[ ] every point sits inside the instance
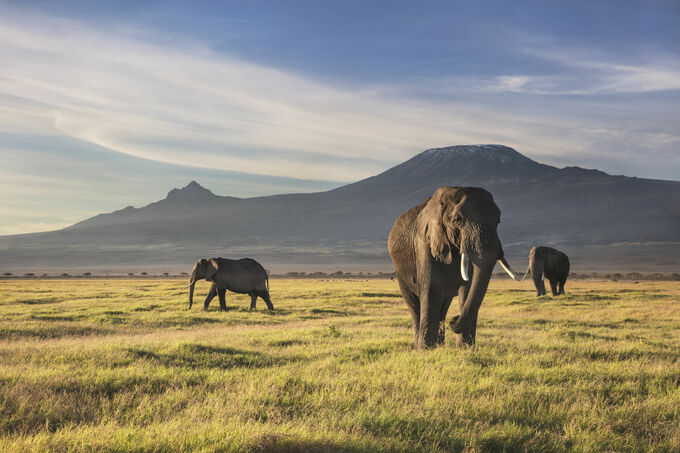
(121, 365)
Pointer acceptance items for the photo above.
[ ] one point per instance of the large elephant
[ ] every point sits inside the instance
(551, 263)
(432, 246)
(244, 276)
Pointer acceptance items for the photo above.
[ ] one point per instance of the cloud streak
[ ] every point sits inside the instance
(586, 75)
(184, 104)
(153, 102)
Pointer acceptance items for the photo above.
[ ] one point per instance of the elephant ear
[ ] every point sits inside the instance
(433, 230)
(211, 270)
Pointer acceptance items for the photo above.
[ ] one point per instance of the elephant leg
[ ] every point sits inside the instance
(538, 284)
(413, 305)
(541, 288)
(441, 335)
(265, 296)
(560, 286)
(430, 309)
(253, 298)
(553, 287)
(221, 292)
(211, 295)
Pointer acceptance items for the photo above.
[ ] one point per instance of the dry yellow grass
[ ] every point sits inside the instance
(121, 365)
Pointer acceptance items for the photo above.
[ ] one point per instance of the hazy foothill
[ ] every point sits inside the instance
(604, 222)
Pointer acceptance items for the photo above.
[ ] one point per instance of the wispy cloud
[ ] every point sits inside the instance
(585, 73)
(190, 106)
(180, 102)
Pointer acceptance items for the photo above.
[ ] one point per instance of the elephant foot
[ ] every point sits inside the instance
(455, 324)
(464, 342)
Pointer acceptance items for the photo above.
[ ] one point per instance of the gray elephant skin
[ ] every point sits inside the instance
(243, 276)
(551, 263)
(445, 246)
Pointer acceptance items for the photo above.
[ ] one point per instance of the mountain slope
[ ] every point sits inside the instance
(566, 207)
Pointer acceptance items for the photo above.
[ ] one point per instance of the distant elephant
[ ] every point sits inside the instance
(244, 276)
(432, 246)
(551, 263)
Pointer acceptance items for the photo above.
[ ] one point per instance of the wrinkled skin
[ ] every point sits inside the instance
(426, 244)
(244, 276)
(549, 263)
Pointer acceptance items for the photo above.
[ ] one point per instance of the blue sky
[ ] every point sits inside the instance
(105, 104)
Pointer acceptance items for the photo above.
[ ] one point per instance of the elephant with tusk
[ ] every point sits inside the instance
(448, 245)
(244, 276)
(551, 263)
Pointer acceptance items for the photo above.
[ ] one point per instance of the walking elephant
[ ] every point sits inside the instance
(244, 276)
(445, 246)
(551, 263)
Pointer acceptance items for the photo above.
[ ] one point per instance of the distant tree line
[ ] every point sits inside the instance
(655, 276)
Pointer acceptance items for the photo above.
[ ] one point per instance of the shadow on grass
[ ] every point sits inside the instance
(50, 332)
(410, 429)
(327, 311)
(385, 294)
(41, 301)
(288, 444)
(286, 343)
(148, 308)
(574, 335)
(197, 356)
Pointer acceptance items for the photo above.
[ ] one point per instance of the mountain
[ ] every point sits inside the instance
(599, 217)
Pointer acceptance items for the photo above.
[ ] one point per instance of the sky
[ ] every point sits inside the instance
(108, 104)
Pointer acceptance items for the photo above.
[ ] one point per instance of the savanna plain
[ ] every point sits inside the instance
(121, 365)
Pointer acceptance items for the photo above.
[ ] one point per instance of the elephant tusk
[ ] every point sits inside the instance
(188, 285)
(464, 264)
(506, 267)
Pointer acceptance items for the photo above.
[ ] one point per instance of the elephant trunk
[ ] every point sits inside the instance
(191, 294)
(537, 272)
(466, 323)
(192, 284)
(483, 260)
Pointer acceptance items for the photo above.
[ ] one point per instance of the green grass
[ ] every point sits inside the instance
(121, 365)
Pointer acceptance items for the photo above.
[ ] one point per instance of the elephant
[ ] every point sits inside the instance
(445, 246)
(551, 263)
(243, 276)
